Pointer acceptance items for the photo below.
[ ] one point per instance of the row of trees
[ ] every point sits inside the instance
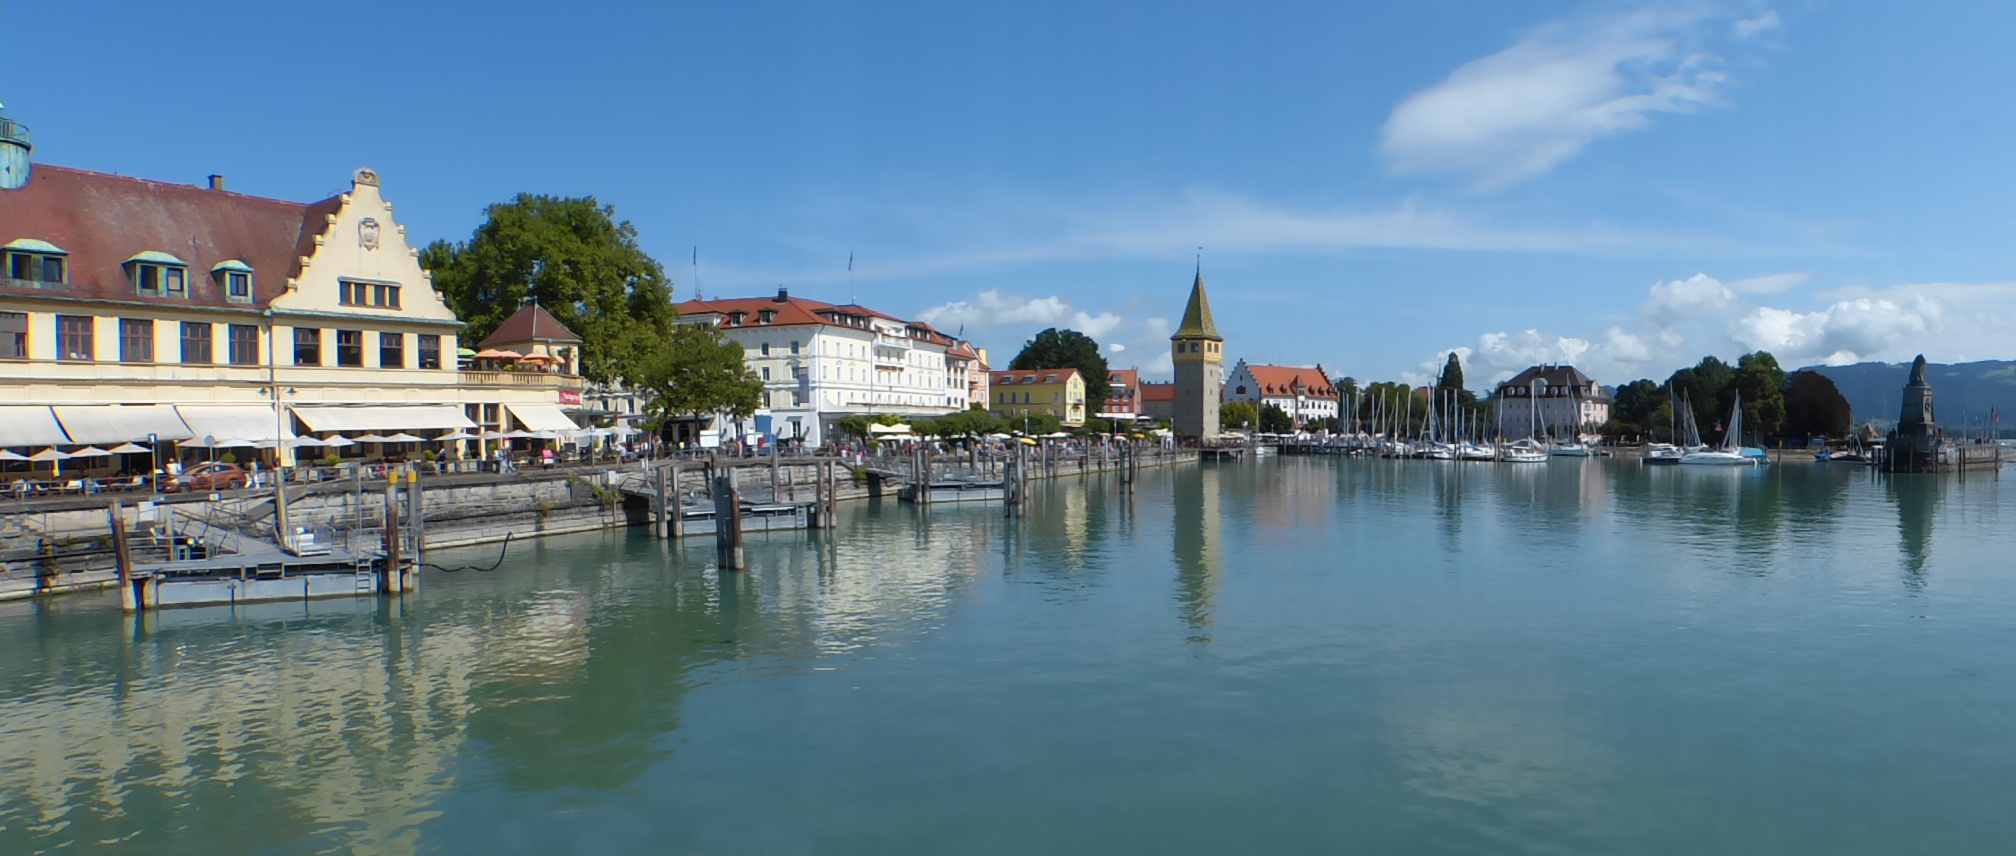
(584, 266)
(1776, 406)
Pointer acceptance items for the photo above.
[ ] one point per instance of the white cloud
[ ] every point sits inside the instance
(991, 308)
(1686, 319)
(1747, 27)
(1700, 295)
(1520, 112)
(1849, 331)
(1116, 347)
(1097, 326)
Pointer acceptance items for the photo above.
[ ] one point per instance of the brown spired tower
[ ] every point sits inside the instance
(1199, 353)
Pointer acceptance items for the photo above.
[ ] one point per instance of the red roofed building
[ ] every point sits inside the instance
(822, 362)
(195, 307)
(1158, 400)
(1306, 394)
(1123, 400)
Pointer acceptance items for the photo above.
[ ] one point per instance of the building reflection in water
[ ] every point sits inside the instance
(1915, 499)
(1199, 547)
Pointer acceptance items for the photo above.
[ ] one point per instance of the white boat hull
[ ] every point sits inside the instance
(1714, 459)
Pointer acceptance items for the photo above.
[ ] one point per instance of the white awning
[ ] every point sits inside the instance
(392, 417)
(118, 423)
(542, 417)
(30, 426)
(211, 424)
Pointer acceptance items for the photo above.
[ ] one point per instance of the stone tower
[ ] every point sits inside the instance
(1200, 367)
(1914, 445)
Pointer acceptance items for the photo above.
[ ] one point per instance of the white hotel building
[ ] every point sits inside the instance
(821, 363)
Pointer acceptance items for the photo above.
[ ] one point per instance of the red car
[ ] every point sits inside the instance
(210, 476)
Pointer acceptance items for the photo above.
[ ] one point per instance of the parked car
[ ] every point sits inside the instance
(212, 475)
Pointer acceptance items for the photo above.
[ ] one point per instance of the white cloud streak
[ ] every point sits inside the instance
(1522, 111)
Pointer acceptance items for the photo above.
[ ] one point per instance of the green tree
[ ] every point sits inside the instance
(855, 426)
(1708, 388)
(1815, 407)
(697, 372)
(579, 262)
(1035, 424)
(1237, 414)
(1274, 420)
(1632, 406)
(973, 422)
(1069, 349)
(1762, 384)
(1452, 373)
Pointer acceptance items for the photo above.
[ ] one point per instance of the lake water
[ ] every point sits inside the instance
(1282, 656)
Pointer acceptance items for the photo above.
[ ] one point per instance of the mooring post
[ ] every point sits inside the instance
(660, 501)
(727, 522)
(818, 498)
(416, 521)
(674, 506)
(776, 492)
(122, 553)
(390, 581)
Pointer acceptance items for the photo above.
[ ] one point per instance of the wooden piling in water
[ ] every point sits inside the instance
(389, 581)
(122, 553)
(727, 522)
(417, 522)
(661, 503)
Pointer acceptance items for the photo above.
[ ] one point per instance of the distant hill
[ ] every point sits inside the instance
(1962, 392)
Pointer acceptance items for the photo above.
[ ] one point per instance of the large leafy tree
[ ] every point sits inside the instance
(1274, 420)
(1815, 407)
(579, 262)
(1762, 384)
(1069, 349)
(1633, 405)
(1237, 414)
(1706, 387)
(696, 372)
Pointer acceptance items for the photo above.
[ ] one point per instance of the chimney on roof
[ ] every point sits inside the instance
(216, 182)
(783, 294)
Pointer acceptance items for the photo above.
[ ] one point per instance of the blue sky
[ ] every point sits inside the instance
(1626, 186)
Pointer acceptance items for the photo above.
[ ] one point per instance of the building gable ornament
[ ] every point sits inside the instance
(367, 233)
(366, 176)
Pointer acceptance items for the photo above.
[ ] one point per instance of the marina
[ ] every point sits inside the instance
(1584, 641)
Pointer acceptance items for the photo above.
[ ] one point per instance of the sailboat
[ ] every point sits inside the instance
(1527, 450)
(1574, 447)
(1683, 431)
(1730, 453)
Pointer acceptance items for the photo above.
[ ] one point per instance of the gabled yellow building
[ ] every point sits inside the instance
(1058, 392)
(157, 313)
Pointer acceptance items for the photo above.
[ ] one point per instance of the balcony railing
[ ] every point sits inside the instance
(536, 379)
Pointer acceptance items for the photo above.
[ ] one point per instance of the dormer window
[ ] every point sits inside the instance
(766, 316)
(234, 278)
(38, 262)
(158, 274)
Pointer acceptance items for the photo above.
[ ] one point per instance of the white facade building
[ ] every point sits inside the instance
(821, 363)
(1550, 401)
(1306, 394)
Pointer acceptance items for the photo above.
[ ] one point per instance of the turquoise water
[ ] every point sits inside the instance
(1289, 656)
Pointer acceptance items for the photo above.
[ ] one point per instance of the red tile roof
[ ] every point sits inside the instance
(796, 311)
(103, 220)
(1152, 391)
(531, 323)
(1283, 380)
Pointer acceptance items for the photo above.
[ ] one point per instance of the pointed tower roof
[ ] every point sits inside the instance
(1197, 323)
(531, 323)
